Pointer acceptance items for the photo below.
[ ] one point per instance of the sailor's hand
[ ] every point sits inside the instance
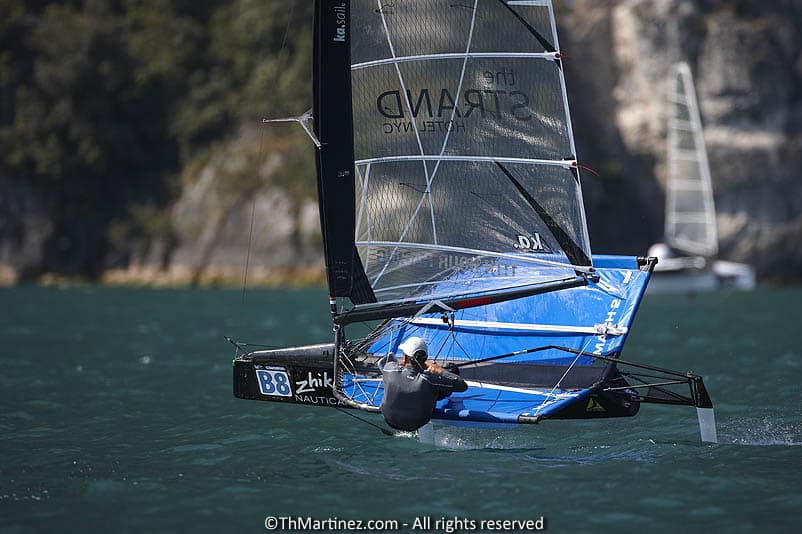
(433, 367)
(452, 368)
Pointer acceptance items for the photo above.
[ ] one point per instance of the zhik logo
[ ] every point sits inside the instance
(313, 382)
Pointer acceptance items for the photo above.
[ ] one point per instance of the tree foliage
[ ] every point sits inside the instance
(103, 101)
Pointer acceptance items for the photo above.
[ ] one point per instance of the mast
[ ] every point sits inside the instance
(332, 112)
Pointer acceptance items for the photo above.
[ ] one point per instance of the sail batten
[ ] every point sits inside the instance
(566, 164)
(551, 56)
(427, 246)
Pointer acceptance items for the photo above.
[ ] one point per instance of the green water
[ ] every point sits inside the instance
(116, 414)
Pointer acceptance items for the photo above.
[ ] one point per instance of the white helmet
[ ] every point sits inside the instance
(412, 346)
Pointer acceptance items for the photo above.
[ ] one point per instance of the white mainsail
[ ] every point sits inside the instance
(690, 225)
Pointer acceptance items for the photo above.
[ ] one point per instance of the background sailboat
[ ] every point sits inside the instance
(687, 259)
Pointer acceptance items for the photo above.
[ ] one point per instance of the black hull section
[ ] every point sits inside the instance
(602, 405)
(309, 370)
(305, 375)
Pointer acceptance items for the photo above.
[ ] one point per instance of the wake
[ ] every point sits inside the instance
(760, 431)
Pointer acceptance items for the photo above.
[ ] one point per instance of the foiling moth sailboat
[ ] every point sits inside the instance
(687, 258)
(451, 209)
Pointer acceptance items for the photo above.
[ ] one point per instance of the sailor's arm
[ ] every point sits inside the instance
(448, 379)
(389, 357)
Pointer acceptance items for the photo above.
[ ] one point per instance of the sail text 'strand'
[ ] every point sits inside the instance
(433, 103)
(439, 110)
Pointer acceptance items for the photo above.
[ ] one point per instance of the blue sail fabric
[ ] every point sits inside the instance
(480, 403)
(595, 318)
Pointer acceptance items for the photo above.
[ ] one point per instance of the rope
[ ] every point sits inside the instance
(384, 431)
(586, 168)
(576, 358)
(346, 362)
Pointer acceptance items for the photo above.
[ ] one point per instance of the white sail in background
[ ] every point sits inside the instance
(690, 213)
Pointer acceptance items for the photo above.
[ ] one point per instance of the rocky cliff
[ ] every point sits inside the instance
(747, 62)
(246, 214)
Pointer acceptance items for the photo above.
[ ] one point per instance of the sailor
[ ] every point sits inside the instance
(413, 386)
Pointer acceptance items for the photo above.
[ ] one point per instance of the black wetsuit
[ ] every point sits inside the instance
(411, 394)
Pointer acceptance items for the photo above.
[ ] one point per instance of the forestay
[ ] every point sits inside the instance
(690, 212)
(466, 178)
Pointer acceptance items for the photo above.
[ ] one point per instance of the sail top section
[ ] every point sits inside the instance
(690, 211)
(465, 175)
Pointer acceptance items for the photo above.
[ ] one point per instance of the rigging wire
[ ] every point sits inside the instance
(261, 158)
(576, 359)
(445, 340)
(385, 431)
(286, 30)
(248, 255)
(464, 351)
